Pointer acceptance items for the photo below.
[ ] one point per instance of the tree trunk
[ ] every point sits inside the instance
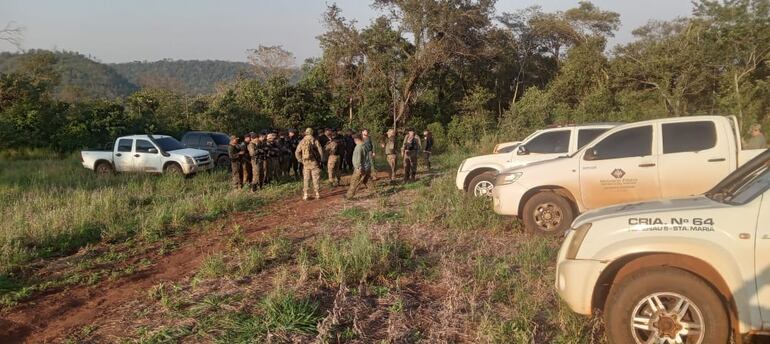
(736, 84)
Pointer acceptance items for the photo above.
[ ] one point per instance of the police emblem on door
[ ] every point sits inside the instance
(618, 173)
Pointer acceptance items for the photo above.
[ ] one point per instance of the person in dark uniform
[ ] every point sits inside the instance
(235, 153)
(262, 158)
(292, 143)
(347, 156)
(273, 157)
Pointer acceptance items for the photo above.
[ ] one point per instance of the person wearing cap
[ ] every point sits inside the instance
(292, 141)
(246, 160)
(261, 159)
(273, 157)
(410, 149)
(391, 153)
(757, 139)
(256, 173)
(310, 154)
(235, 153)
(332, 149)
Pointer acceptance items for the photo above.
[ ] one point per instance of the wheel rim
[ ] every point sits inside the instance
(483, 189)
(548, 216)
(103, 170)
(667, 318)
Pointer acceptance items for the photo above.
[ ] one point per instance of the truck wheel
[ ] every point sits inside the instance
(665, 305)
(547, 213)
(482, 185)
(104, 169)
(173, 169)
(223, 161)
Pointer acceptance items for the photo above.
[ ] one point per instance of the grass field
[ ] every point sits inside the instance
(418, 262)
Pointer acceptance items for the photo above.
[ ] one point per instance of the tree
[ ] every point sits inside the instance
(12, 34)
(271, 61)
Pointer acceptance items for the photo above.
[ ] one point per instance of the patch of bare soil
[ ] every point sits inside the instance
(50, 317)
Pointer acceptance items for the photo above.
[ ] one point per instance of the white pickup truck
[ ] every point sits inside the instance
(679, 270)
(476, 175)
(147, 153)
(640, 161)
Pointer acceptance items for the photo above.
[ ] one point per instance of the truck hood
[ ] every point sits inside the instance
(191, 152)
(671, 205)
(486, 161)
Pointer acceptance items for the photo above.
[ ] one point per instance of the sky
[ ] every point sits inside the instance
(148, 30)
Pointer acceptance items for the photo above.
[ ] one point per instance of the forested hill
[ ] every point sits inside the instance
(81, 77)
(193, 77)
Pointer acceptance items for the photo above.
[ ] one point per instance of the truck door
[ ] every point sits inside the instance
(762, 259)
(146, 157)
(122, 157)
(693, 159)
(620, 168)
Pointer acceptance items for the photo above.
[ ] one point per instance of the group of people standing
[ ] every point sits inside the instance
(267, 157)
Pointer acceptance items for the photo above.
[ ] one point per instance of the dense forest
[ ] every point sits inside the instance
(456, 66)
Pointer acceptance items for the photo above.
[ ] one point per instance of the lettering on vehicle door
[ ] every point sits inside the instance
(673, 224)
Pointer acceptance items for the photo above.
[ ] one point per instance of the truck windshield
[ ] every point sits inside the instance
(746, 183)
(221, 139)
(168, 144)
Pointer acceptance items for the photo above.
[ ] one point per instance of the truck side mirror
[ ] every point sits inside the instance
(210, 143)
(152, 151)
(591, 154)
(522, 150)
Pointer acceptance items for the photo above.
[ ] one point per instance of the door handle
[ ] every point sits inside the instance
(717, 160)
(136, 155)
(647, 165)
(118, 154)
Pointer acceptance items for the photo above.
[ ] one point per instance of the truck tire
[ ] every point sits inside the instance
(482, 185)
(223, 161)
(633, 313)
(547, 213)
(173, 169)
(104, 169)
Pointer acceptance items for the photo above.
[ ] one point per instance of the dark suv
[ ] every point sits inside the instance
(213, 142)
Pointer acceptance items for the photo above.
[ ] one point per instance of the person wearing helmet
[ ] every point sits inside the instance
(310, 154)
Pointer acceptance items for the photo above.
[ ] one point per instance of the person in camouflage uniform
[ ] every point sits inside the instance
(361, 167)
(235, 153)
(246, 160)
(292, 142)
(273, 157)
(391, 154)
(310, 154)
(332, 150)
(262, 158)
(410, 149)
(257, 175)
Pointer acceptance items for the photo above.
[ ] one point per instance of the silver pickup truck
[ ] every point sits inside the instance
(147, 153)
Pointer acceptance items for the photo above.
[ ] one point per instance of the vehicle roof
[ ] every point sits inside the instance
(142, 136)
(585, 125)
(204, 132)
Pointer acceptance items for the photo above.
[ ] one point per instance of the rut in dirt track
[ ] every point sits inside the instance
(51, 316)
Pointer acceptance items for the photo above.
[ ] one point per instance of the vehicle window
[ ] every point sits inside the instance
(625, 143)
(169, 144)
(549, 142)
(508, 149)
(587, 135)
(191, 139)
(689, 136)
(221, 139)
(124, 145)
(143, 146)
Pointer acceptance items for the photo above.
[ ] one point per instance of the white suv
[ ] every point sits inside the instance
(679, 270)
(476, 175)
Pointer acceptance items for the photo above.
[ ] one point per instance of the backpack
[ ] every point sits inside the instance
(309, 151)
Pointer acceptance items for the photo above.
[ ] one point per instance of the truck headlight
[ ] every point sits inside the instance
(507, 178)
(577, 240)
(189, 160)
